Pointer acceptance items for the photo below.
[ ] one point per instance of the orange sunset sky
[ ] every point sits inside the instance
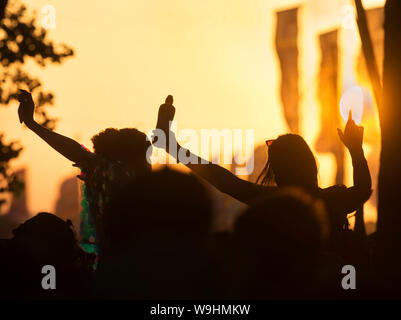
(216, 57)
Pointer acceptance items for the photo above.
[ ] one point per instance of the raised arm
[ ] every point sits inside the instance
(360, 192)
(219, 177)
(69, 148)
(223, 179)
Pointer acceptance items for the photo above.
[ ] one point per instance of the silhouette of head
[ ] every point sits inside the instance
(162, 204)
(275, 243)
(159, 223)
(43, 240)
(128, 146)
(46, 237)
(290, 163)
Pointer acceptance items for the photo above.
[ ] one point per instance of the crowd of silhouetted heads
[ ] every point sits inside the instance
(162, 246)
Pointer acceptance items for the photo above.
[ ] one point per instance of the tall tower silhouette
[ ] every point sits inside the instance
(18, 212)
(67, 205)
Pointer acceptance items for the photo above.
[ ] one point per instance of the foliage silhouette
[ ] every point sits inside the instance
(21, 40)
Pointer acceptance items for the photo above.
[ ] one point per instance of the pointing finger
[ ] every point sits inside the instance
(350, 115)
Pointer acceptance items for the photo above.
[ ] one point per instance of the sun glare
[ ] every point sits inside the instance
(352, 99)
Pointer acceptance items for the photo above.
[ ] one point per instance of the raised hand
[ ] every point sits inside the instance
(26, 107)
(352, 137)
(166, 114)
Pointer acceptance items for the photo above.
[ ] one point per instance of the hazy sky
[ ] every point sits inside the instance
(216, 57)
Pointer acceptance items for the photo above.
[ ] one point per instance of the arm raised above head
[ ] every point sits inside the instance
(352, 137)
(69, 148)
(221, 178)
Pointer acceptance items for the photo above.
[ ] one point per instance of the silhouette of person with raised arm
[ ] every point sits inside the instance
(290, 163)
(118, 155)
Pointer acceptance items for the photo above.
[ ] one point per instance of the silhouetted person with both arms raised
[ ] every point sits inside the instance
(119, 155)
(290, 164)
